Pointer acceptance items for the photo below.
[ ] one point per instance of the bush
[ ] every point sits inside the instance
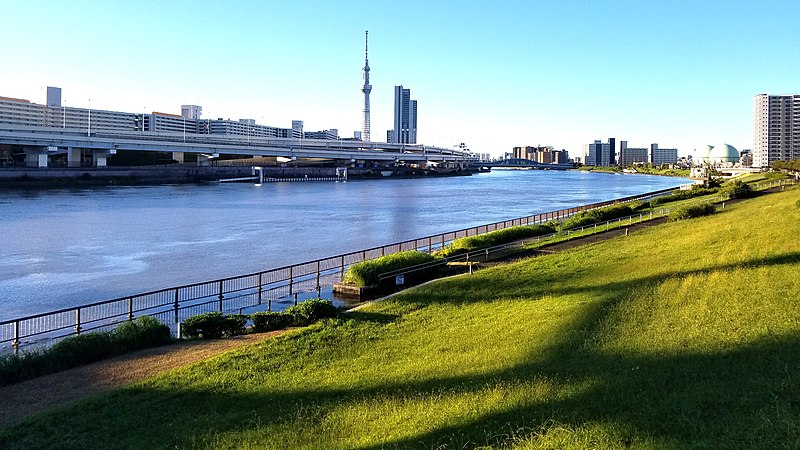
(737, 189)
(310, 311)
(214, 325)
(689, 212)
(73, 351)
(492, 238)
(601, 214)
(367, 273)
(696, 191)
(144, 332)
(268, 321)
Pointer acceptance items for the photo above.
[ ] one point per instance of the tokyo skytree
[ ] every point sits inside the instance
(366, 89)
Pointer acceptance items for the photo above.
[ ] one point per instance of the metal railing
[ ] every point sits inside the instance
(260, 290)
(484, 254)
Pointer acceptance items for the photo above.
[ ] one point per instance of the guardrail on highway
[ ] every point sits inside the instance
(282, 286)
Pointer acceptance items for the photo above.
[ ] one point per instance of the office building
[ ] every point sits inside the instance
(659, 156)
(629, 156)
(191, 111)
(405, 118)
(600, 154)
(776, 129)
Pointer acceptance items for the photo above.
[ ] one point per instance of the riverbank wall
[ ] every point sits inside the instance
(179, 173)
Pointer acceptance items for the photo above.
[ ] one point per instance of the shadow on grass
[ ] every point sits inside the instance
(746, 396)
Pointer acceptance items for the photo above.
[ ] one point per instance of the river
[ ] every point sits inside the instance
(67, 247)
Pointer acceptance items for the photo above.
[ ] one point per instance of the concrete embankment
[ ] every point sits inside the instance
(58, 177)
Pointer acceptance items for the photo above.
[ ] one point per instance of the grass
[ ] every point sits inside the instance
(685, 335)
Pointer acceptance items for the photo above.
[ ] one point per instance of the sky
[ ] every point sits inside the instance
(493, 75)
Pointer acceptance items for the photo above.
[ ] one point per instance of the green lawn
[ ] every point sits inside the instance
(685, 335)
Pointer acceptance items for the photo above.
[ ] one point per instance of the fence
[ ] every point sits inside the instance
(256, 290)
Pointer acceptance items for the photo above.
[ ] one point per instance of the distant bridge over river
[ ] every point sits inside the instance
(519, 163)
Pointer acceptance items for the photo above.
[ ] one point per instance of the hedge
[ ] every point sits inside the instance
(689, 212)
(682, 195)
(367, 273)
(73, 351)
(492, 238)
(214, 325)
(601, 214)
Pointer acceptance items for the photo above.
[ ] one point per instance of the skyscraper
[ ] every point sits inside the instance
(776, 128)
(366, 88)
(405, 118)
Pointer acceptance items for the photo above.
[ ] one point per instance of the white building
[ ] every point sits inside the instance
(776, 128)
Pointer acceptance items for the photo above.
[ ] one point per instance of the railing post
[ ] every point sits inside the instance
(318, 278)
(342, 272)
(259, 288)
(295, 299)
(383, 251)
(220, 296)
(291, 279)
(130, 308)
(175, 306)
(363, 255)
(430, 244)
(15, 344)
(78, 320)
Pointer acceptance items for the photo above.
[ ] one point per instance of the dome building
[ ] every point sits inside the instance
(717, 155)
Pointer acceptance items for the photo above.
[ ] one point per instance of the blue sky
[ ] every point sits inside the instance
(491, 74)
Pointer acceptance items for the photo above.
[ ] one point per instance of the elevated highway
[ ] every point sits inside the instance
(43, 141)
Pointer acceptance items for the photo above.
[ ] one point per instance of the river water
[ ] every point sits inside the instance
(62, 248)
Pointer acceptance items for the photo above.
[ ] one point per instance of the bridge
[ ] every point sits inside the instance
(519, 163)
(40, 142)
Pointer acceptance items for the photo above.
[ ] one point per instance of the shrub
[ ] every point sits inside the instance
(268, 321)
(84, 348)
(737, 189)
(214, 325)
(689, 212)
(601, 214)
(144, 332)
(367, 273)
(676, 195)
(310, 311)
(492, 238)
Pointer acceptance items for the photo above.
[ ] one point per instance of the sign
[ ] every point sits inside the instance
(400, 280)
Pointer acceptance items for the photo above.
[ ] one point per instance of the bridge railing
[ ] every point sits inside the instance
(266, 289)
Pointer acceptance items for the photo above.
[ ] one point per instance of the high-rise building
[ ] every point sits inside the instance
(366, 88)
(659, 156)
(776, 128)
(600, 154)
(53, 97)
(632, 155)
(405, 118)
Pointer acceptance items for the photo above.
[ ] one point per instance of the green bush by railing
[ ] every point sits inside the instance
(310, 311)
(601, 214)
(696, 191)
(692, 211)
(367, 273)
(737, 189)
(269, 321)
(84, 348)
(214, 325)
(492, 238)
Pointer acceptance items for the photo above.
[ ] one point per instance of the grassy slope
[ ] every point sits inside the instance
(686, 335)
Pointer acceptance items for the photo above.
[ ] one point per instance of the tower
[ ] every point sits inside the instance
(366, 89)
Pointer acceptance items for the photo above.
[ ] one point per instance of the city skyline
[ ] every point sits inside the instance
(682, 74)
